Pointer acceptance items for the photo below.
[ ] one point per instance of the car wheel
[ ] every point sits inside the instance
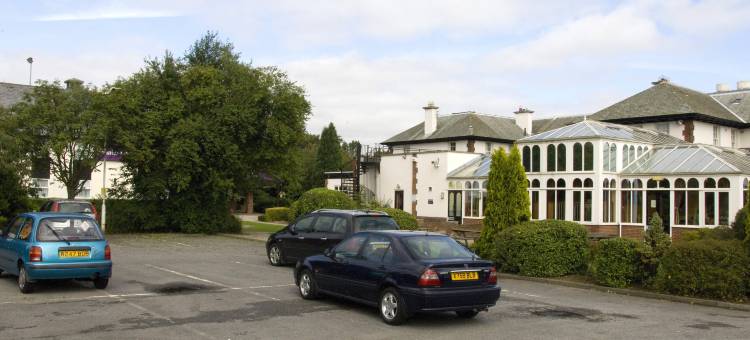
(392, 307)
(24, 285)
(467, 314)
(308, 288)
(101, 282)
(275, 256)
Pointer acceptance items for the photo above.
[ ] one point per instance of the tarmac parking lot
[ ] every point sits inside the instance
(213, 287)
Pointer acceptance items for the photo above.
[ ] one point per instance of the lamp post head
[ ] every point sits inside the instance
(30, 60)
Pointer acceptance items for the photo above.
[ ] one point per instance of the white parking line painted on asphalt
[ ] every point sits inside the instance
(188, 276)
(158, 315)
(183, 244)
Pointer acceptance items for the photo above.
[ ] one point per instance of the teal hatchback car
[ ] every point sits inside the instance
(44, 246)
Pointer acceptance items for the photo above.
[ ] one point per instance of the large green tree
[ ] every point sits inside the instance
(13, 167)
(329, 155)
(66, 126)
(199, 130)
(507, 198)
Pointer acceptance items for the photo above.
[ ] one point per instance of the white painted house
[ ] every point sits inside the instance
(668, 149)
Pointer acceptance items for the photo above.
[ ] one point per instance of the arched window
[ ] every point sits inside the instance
(664, 183)
(534, 183)
(551, 199)
(527, 158)
(588, 183)
(609, 199)
(693, 183)
(723, 183)
(651, 183)
(710, 183)
(551, 161)
(535, 151)
(612, 183)
(639, 151)
(631, 153)
(625, 184)
(534, 199)
(560, 206)
(613, 157)
(550, 183)
(582, 199)
(577, 183)
(625, 159)
(484, 184)
(560, 183)
(679, 183)
(451, 185)
(637, 183)
(473, 196)
(588, 156)
(716, 201)
(577, 157)
(468, 185)
(605, 157)
(685, 203)
(560, 157)
(605, 183)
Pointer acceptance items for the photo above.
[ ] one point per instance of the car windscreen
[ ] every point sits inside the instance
(74, 207)
(378, 222)
(56, 229)
(429, 247)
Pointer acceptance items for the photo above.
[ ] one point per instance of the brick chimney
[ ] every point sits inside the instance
(430, 118)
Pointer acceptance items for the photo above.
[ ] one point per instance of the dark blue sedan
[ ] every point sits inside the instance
(402, 273)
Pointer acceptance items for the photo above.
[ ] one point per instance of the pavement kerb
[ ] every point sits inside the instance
(257, 237)
(631, 292)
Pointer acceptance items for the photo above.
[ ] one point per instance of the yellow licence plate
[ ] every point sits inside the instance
(464, 276)
(73, 253)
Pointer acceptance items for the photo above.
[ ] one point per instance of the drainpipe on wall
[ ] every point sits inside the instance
(619, 226)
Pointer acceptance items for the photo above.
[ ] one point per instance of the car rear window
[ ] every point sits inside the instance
(75, 207)
(430, 247)
(55, 229)
(379, 222)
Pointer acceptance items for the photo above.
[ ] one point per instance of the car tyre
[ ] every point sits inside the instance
(24, 285)
(392, 307)
(308, 287)
(101, 282)
(467, 314)
(275, 256)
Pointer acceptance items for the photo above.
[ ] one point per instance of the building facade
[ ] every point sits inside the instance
(667, 150)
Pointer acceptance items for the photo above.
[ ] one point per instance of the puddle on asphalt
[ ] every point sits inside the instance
(558, 312)
(706, 325)
(178, 288)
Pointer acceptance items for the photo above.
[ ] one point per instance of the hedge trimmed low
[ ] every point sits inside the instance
(320, 198)
(705, 268)
(542, 248)
(405, 220)
(616, 262)
(277, 214)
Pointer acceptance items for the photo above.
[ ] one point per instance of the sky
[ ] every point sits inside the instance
(370, 66)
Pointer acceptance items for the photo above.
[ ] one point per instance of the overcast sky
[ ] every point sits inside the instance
(369, 66)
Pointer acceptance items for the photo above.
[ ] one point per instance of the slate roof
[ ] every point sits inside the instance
(546, 124)
(737, 101)
(462, 125)
(666, 99)
(596, 129)
(690, 159)
(11, 94)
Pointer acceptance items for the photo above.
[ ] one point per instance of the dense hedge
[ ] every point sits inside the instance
(706, 268)
(320, 198)
(542, 248)
(721, 233)
(405, 220)
(616, 262)
(277, 214)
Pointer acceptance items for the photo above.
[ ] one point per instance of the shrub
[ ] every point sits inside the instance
(320, 198)
(656, 243)
(616, 262)
(404, 219)
(706, 268)
(542, 248)
(277, 214)
(721, 233)
(740, 223)
(133, 216)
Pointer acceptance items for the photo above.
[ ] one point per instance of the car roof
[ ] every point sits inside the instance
(402, 233)
(70, 201)
(53, 214)
(357, 212)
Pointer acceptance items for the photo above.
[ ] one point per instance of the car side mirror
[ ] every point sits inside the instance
(328, 252)
(291, 229)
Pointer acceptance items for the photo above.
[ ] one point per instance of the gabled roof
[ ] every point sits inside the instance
(665, 99)
(690, 159)
(595, 129)
(462, 126)
(10, 94)
(546, 124)
(736, 101)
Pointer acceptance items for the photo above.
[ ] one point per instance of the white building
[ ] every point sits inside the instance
(668, 149)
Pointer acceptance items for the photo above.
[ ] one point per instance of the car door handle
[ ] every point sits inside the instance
(324, 238)
(300, 237)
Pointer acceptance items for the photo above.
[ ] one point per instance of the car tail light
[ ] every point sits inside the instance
(107, 253)
(96, 214)
(35, 254)
(54, 207)
(492, 278)
(429, 278)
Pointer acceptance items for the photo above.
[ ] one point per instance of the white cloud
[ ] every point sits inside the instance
(107, 14)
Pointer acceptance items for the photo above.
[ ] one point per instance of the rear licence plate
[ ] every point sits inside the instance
(464, 276)
(73, 253)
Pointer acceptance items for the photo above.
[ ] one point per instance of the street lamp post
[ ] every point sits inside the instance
(104, 190)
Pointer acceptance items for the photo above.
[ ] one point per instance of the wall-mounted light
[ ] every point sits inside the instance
(442, 195)
(436, 163)
(398, 187)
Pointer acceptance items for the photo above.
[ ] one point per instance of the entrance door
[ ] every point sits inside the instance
(398, 200)
(454, 205)
(658, 202)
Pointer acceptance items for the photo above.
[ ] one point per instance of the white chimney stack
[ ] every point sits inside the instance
(430, 118)
(743, 85)
(524, 120)
(722, 88)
